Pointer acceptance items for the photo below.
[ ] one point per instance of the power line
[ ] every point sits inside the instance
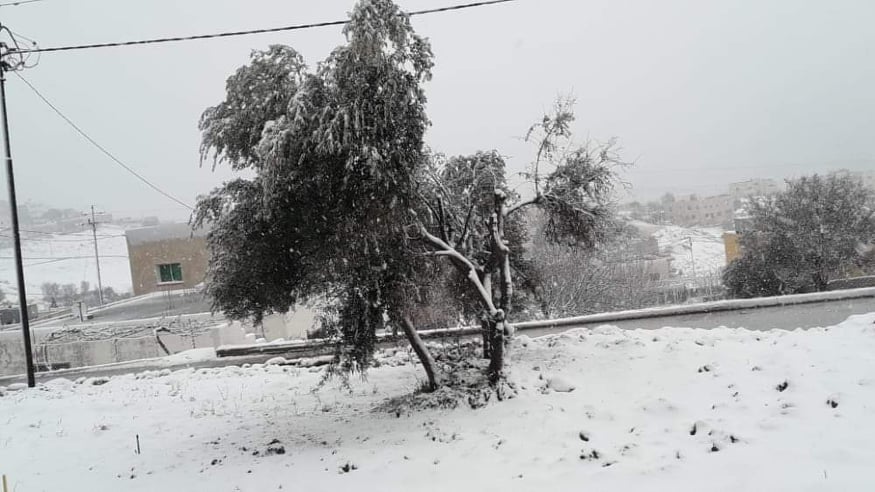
(295, 27)
(20, 2)
(60, 258)
(64, 233)
(100, 147)
(53, 240)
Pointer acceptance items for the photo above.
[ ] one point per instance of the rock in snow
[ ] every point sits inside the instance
(560, 384)
(276, 361)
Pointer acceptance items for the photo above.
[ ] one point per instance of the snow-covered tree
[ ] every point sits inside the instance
(818, 228)
(334, 152)
(345, 204)
(478, 224)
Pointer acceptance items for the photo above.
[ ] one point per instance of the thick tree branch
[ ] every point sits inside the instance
(446, 250)
(421, 352)
(521, 205)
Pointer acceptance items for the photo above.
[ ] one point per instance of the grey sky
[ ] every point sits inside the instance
(698, 93)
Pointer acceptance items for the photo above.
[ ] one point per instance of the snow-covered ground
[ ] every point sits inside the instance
(68, 258)
(709, 254)
(671, 409)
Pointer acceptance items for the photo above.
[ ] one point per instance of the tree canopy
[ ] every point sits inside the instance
(346, 204)
(803, 237)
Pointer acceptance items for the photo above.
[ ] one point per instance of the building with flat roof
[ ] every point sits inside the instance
(694, 210)
(166, 257)
(753, 187)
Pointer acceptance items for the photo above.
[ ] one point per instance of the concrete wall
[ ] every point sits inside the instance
(92, 353)
(190, 253)
(293, 325)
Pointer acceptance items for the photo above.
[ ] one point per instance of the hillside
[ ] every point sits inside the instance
(67, 258)
(709, 255)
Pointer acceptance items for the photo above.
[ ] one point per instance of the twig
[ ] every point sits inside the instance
(465, 227)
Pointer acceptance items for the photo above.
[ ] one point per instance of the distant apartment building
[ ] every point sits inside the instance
(753, 187)
(166, 257)
(694, 210)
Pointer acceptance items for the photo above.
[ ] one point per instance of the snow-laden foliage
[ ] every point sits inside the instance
(472, 218)
(347, 206)
(334, 152)
(804, 237)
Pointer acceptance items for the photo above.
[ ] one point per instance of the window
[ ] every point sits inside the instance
(169, 272)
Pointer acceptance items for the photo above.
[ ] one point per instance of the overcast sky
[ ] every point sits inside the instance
(698, 93)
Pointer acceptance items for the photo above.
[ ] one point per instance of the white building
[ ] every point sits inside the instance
(694, 210)
(753, 187)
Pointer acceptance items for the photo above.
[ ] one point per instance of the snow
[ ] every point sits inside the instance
(670, 409)
(115, 271)
(709, 253)
(190, 356)
(560, 384)
(162, 232)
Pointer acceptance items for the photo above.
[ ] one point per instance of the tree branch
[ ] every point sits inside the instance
(422, 352)
(427, 204)
(447, 250)
(521, 205)
(445, 233)
(465, 227)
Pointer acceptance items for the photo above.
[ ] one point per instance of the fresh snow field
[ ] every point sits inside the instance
(709, 253)
(68, 258)
(672, 409)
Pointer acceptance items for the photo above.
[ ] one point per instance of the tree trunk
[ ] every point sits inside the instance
(501, 254)
(496, 362)
(820, 282)
(422, 352)
(487, 328)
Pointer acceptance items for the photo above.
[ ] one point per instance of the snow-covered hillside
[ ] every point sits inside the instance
(68, 258)
(709, 254)
(669, 409)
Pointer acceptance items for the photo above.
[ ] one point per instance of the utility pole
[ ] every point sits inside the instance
(16, 235)
(92, 221)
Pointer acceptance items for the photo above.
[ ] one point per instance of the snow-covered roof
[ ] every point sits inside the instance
(162, 232)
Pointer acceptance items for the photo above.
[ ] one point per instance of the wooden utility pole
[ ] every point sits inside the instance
(92, 221)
